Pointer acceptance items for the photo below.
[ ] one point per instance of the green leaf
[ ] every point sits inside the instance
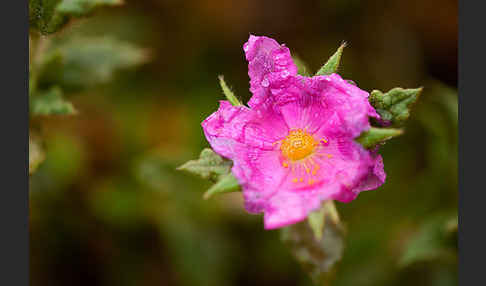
(332, 64)
(317, 256)
(36, 153)
(213, 167)
(394, 106)
(434, 240)
(228, 93)
(209, 166)
(49, 16)
(50, 102)
(375, 135)
(226, 183)
(79, 8)
(43, 16)
(302, 68)
(50, 70)
(87, 62)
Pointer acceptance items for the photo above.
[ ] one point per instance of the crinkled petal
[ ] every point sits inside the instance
(261, 174)
(288, 207)
(258, 128)
(268, 61)
(348, 101)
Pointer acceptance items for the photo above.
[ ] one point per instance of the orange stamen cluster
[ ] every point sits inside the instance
(298, 145)
(297, 149)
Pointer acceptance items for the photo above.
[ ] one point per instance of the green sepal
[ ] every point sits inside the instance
(375, 135)
(228, 93)
(332, 64)
(225, 184)
(317, 218)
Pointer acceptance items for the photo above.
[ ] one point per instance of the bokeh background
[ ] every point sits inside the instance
(107, 206)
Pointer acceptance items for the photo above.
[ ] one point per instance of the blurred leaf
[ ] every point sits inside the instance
(302, 68)
(226, 183)
(394, 106)
(48, 16)
(44, 17)
(51, 102)
(209, 166)
(228, 93)
(317, 256)
(36, 154)
(79, 8)
(91, 61)
(332, 64)
(51, 68)
(213, 167)
(375, 135)
(432, 241)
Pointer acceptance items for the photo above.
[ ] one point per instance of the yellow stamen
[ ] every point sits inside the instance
(297, 145)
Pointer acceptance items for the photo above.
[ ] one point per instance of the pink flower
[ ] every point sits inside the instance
(293, 147)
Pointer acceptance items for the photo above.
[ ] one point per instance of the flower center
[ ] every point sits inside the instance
(298, 145)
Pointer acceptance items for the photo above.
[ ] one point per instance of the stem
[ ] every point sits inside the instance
(37, 47)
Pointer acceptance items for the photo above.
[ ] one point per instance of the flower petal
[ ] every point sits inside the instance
(347, 100)
(289, 207)
(260, 174)
(268, 61)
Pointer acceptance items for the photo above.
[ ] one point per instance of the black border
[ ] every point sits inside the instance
(472, 193)
(14, 118)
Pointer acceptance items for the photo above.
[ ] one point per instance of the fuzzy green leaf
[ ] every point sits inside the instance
(49, 16)
(213, 167)
(90, 61)
(226, 183)
(228, 93)
(209, 166)
(435, 239)
(332, 64)
(79, 8)
(50, 102)
(375, 135)
(36, 154)
(317, 255)
(394, 106)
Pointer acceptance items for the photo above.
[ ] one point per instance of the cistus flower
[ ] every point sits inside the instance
(294, 147)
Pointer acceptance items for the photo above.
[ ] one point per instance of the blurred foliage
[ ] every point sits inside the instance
(108, 207)
(317, 243)
(48, 16)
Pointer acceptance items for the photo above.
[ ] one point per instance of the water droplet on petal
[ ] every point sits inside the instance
(245, 47)
(285, 73)
(265, 82)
